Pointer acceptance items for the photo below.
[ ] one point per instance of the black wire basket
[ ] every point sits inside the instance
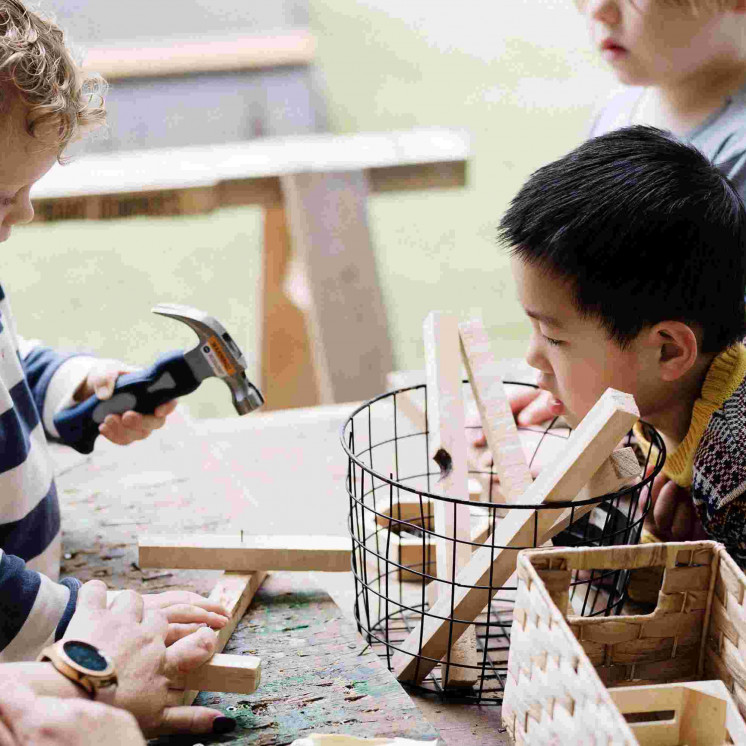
(389, 482)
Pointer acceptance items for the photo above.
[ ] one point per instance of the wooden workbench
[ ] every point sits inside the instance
(280, 472)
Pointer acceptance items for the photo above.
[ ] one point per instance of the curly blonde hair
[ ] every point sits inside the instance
(62, 103)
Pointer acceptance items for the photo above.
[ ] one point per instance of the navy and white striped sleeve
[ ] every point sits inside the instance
(53, 379)
(35, 610)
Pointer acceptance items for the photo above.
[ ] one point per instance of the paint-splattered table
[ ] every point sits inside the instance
(279, 472)
(317, 673)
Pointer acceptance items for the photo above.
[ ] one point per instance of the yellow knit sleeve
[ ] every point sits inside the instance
(725, 374)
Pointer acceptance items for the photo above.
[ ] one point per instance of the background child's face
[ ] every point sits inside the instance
(654, 42)
(576, 359)
(23, 161)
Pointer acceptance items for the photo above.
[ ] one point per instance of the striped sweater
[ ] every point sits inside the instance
(35, 383)
(711, 460)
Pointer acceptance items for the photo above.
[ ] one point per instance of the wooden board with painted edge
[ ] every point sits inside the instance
(246, 553)
(590, 444)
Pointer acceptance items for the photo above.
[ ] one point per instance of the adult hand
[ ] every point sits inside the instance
(128, 427)
(186, 612)
(135, 637)
(29, 720)
(673, 516)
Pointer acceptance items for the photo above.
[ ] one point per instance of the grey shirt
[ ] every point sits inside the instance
(721, 137)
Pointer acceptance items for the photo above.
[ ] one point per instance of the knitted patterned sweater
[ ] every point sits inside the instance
(711, 460)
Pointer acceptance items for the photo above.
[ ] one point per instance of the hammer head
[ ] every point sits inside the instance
(216, 355)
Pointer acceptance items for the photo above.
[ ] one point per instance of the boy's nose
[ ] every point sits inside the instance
(533, 356)
(604, 11)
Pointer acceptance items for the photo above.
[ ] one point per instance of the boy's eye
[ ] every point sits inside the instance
(553, 342)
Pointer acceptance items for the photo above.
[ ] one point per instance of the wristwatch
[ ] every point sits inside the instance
(84, 664)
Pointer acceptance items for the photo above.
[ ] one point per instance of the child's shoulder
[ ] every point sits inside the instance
(615, 111)
(723, 137)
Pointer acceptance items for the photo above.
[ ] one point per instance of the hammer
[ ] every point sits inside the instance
(173, 374)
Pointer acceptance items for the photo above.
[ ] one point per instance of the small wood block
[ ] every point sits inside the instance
(590, 444)
(238, 674)
(417, 557)
(447, 443)
(410, 510)
(235, 592)
(704, 713)
(230, 552)
(497, 419)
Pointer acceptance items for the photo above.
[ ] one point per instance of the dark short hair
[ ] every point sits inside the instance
(644, 228)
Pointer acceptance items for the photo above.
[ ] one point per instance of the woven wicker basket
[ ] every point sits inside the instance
(560, 665)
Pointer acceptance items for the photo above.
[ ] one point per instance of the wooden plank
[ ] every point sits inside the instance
(235, 592)
(246, 553)
(285, 345)
(238, 674)
(207, 165)
(350, 345)
(187, 56)
(588, 447)
(620, 470)
(497, 419)
(447, 447)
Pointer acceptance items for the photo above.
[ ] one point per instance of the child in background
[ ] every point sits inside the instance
(684, 65)
(633, 272)
(45, 103)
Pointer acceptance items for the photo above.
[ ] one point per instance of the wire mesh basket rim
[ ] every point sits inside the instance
(656, 442)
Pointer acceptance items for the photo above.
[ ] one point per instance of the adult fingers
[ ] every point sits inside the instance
(189, 652)
(92, 595)
(129, 604)
(16, 702)
(189, 614)
(168, 598)
(177, 631)
(196, 720)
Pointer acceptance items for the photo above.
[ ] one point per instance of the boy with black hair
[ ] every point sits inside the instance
(683, 67)
(629, 256)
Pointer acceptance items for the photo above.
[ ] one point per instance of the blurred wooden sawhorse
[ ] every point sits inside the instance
(324, 332)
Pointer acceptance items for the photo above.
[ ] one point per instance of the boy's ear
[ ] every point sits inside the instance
(677, 348)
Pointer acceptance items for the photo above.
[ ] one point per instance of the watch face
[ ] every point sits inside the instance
(85, 655)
